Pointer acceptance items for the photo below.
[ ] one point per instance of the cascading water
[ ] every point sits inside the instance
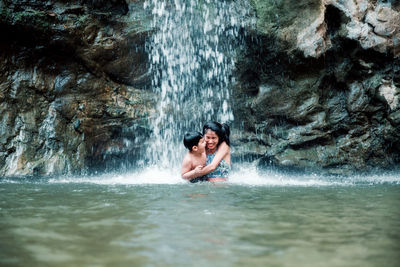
(152, 219)
(192, 56)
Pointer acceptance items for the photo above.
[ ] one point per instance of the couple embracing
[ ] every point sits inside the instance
(209, 157)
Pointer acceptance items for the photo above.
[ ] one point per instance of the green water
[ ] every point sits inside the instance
(92, 224)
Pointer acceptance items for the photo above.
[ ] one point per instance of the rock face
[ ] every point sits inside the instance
(322, 88)
(71, 86)
(317, 86)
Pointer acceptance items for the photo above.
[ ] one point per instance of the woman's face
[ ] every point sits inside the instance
(211, 139)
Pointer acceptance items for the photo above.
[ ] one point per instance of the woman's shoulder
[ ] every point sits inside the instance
(224, 146)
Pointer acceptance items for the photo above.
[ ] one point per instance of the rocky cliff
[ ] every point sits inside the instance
(72, 85)
(317, 86)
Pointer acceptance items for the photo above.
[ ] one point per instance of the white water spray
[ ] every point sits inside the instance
(192, 55)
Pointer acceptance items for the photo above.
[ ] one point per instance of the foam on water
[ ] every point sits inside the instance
(243, 177)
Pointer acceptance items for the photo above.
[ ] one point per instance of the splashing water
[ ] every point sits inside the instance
(192, 56)
(247, 176)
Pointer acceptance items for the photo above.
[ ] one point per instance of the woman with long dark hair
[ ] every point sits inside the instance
(218, 163)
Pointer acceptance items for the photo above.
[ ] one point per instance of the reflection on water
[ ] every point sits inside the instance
(72, 222)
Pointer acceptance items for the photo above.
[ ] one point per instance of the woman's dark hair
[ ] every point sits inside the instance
(222, 131)
(191, 139)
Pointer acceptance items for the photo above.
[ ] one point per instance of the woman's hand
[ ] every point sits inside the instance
(191, 174)
(198, 169)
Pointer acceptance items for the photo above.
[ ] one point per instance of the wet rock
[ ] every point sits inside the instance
(391, 94)
(357, 100)
(327, 98)
(317, 86)
(71, 75)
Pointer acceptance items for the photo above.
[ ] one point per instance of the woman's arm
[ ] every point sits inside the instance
(187, 172)
(196, 172)
(223, 150)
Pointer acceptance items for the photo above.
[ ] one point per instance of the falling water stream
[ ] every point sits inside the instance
(192, 56)
(154, 218)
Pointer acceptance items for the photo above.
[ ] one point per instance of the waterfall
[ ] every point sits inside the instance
(192, 54)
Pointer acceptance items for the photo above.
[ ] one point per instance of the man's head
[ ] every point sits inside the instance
(194, 141)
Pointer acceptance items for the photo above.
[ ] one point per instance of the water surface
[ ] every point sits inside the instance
(107, 221)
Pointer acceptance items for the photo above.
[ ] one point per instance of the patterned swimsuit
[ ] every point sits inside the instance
(222, 170)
